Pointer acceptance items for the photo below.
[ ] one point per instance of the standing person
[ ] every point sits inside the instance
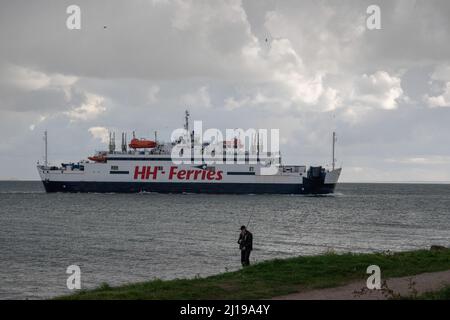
(245, 245)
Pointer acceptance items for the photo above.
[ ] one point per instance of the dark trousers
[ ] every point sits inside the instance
(245, 257)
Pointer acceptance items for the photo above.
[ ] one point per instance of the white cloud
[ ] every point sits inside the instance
(28, 79)
(441, 73)
(91, 108)
(40, 119)
(288, 69)
(421, 160)
(378, 90)
(331, 99)
(152, 94)
(442, 100)
(231, 103)
(274, 103)
(326, 43)
(100, 133)
(282, 80)
(199, 98)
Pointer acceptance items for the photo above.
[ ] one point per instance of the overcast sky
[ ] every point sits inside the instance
(305, 67)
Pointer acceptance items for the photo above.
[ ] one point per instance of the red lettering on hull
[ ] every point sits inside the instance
(148, 172)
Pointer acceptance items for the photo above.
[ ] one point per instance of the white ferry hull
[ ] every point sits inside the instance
(118, 176)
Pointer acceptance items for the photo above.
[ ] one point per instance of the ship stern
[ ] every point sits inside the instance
(320, 181)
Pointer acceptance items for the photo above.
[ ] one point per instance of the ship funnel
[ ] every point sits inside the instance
(112, 142)
(124, 142)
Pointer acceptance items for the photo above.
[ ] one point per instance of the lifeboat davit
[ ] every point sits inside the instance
(141, 144)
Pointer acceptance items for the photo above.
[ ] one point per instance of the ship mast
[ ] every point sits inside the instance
(186, 121)
(46, 149)
(333, 148)
(257, 146)
(190, 136)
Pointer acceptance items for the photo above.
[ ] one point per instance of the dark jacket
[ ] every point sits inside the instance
(246, 241)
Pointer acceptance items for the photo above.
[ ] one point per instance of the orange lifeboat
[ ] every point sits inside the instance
(98, 158)
(141, 144)
(235, 143)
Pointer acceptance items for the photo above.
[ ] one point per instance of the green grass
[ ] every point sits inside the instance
(443, 294)
(278, 277)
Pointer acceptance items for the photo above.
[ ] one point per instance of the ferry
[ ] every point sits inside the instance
(143, 165)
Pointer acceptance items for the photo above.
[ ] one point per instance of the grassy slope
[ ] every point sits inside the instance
(278, 277)
(443, 294)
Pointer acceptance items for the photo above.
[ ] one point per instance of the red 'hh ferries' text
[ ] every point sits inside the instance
(149, 172)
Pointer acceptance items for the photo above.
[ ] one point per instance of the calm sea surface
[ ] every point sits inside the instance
(121, 238)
